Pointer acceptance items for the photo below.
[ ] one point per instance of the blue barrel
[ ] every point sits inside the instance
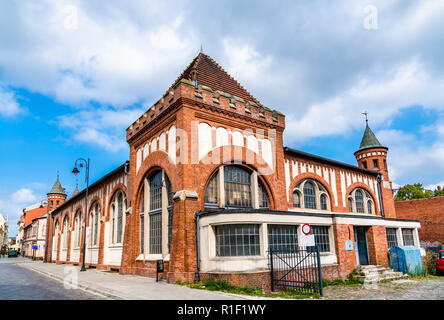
(406, 259)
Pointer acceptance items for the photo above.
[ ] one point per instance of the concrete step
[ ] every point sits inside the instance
(373, 274)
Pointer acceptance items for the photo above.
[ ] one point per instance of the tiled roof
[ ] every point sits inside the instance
(212, 75)
(369, 140)
(33, 214)
(57, 188)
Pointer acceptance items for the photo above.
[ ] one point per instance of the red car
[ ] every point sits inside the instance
(440, 262)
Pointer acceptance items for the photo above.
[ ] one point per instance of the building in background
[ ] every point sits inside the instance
(4, 229)
(430, 212)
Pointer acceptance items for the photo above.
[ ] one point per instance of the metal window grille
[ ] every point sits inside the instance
(211, 194)
(321, 238)
(359, 201)
(156, 233)
(323, 202)
(392, 240)
(350, 204)
(156, 191)
(119, 217)
(309, 195)
(282, 238)
(263, 198)
(407, 237)
(369, 206)
(296, 199)
(237, 187)
(237, 240)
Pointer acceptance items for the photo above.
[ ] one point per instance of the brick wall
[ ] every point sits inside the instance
(430, 212)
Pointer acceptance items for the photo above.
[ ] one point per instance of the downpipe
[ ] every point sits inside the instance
(196, 274)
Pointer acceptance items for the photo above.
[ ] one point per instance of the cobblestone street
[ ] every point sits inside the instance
(405, 289)
(17, 283)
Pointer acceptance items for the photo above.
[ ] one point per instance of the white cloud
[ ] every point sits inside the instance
(9, 106)
(23, 196)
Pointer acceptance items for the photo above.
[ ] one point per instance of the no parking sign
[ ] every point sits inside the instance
(306, 239)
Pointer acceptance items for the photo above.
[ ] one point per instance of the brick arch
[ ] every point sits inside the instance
(366, 188)
(315, 177)
(156, 160)
(212, 169)
(64, 216)
(56, 220)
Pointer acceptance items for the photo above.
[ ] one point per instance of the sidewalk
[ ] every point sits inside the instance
(128, 287)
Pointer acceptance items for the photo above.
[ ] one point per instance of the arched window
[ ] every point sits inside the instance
(350, 204)
(363, 201)
(118, 208)
(359, 200)
(56, 235)
(78, 227)
(296, 199)
(156, 204)
(369, 206)
(65, 232)
(237, 187)
(323, 202)
(94, 222)
(309, 195)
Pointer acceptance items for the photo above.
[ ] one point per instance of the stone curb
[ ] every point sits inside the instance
(81, 286)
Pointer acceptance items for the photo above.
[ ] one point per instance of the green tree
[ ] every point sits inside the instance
(409, 192)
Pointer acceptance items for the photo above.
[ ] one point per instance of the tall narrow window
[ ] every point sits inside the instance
(155, 222)
(78, 227)
(407, 237)
(95, 221)
(119, 217)
(364, 163)
(113, 221)
(359, 201)
(211, 194)
(65, 232)
(309, 195)
(375, 163)
(237, 187)
(324, 202)
(369, 206)
(392, 240)
(350, 204)
(263, 198)
(142, 223)
(296, 199)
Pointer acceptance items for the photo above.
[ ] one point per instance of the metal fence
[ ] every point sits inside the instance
(298, 270)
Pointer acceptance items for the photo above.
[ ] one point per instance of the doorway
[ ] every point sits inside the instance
(361, 245)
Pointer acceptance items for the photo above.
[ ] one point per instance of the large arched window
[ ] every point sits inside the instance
(66, 232)
(310, 194)
(94, 223)
(56, 235)
(118, 208)
(155, 206)
(360, 201)
(78, 227)
(241, 188)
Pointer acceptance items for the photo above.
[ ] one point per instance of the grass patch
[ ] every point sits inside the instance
(224, 286)
(350, 281)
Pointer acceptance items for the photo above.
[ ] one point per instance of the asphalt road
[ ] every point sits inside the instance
(17, 283)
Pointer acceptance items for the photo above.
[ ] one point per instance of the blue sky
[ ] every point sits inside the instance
(75, 74)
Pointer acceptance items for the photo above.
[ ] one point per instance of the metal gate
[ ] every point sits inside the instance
(298, 269)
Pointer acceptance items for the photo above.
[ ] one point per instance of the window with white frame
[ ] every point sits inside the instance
(118, 208)
(56, 235)
(66, 232)
(238, 188)
(283, 238)
(235, 240)
(322, 238)
(94, 223)
(407, 237)
(360, 201)
(78, 228)
(392, 240)
(310, 194)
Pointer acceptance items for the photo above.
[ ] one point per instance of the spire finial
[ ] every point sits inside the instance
(365, 113)
(201, 49)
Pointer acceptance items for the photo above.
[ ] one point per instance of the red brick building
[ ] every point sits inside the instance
(430, 212)
(211, 188)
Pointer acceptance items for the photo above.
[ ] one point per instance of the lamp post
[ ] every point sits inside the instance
(83, 163)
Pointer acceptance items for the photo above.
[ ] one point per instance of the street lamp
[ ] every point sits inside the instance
(83, 163)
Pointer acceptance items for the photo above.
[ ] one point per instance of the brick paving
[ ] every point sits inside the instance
(406, 289)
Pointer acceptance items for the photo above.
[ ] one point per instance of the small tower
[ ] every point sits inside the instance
(372, 155)
(76, 191)
(56, 196)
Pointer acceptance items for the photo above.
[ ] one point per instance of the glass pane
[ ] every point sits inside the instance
(263, 198)
(237, 240)
(296, 199)
(211, 194)
(321, 238)
(359, 200)
(282, 238)
(237, 187)
(309, 195)
(323, 202)
(392, 240)
(156, 191)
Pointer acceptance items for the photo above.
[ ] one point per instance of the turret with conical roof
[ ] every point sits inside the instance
(57, 195)
(76, 191)
(373, 155)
